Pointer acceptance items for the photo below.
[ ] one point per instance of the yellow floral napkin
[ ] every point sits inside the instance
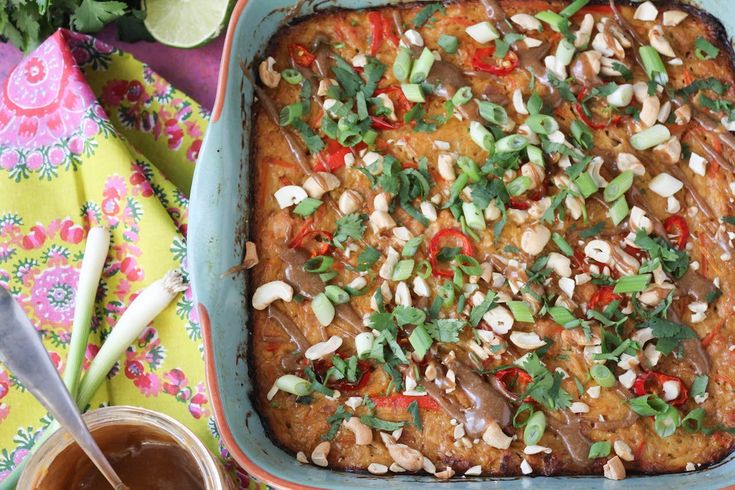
(89, 135)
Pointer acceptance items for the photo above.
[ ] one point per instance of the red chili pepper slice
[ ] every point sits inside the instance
(377, 31)
(634, 251)
(301, 55)
(677, 227)
(401, 106)
(519, 203)
(396, 400)
(653, 382)
(435, 248)
(587, 120)
(510, 378)
(321, 367)
(603, 297)
(483, 60)
(595, 9)
(306, 235)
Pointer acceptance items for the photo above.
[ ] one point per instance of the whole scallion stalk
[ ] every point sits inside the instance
(141, 312)
(95, 253)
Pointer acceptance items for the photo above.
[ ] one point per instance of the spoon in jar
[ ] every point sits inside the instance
(22, 351)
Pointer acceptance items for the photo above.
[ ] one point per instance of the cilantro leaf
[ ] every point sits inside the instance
(445, 330)
(92, 15)
(413, 409)
(425, 14)
(335, 422)
(668, 333)
(349, 226)
(380, 424)
(408, 315)
(367, 259)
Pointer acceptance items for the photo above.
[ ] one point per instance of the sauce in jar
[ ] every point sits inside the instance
(144, 458)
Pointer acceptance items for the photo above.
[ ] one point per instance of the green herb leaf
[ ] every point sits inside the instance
(380, 424)
(600, 449)
(445, 330)
(413, 409)
(425, 14)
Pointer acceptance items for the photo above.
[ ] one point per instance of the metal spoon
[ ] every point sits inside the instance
(23, 353)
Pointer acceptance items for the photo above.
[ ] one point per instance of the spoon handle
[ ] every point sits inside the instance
(23, 353)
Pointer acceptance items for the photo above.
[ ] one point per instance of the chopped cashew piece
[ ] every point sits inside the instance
(534, 239)
(614, 469)
(323, 349)
(659, 42)
(527, 340)
(646, 11)
(271, 291)
(268, 74)
(350, 201)
(674, 17)
(363, 433)
(288, 195)
(320, 452)
(377, 469)
(406, 457)
(320, 183)
(251, 255)
(495, 437)
(623, 450)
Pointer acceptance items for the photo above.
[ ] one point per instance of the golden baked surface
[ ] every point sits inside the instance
(541, 249)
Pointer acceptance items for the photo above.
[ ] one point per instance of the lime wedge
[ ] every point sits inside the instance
(186, 23)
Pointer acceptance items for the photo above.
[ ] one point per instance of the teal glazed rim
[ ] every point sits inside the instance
(219, 214)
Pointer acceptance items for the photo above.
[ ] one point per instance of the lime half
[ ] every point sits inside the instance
(185, 23)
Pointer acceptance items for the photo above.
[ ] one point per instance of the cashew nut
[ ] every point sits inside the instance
(614, 469)
(268, 75)
(527, 340)
(319, 455)
(323, 349)
(271, 291)
(674, 17)
(363, 433)
(598, 250)
(350, 201)
(495, 437)
(628, 161)
(406, 457)
(527, 22)
(534, 239)
(659, 42)
(646, 11)
(320, 183)
(288, 195)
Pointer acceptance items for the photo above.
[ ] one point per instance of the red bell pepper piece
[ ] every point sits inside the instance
(676, 226)
(301, 55)
(332, 157)
(382, 123)
(483, 60)
(603, 297)
(435, 248)
(396, 400)
(519, 203)
(587, 120)
(653, 382)
(377, 30)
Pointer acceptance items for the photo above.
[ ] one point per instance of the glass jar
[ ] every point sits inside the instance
(41, 461)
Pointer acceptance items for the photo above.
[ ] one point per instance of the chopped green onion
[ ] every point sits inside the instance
(420, 340)
(600, 449)
(632, 284)
(519, 422)
(586, 184)
(468, 265)
(695, 417)
(462, 96)
(493, 113)
(483, 32)
(521, 311)
(370, 136)
(413, 92)
(535, 427)
(648, 138)
(603, 376)
(320, 263)
(665, 424)
(654, 66)
(555, 21)
(364, 344)
(519, 185)
(565, 52)
(323, 309)
(473, 216)
(561, 315)
(292, 76)
(469, 167)
(422, 67)
(403, 270)
(705, 50)
(648, 405)
(618, 186)
(563, 245)
(290, 113)
(290, 383)
(412, 246)
(423, 269)
(482, 137)
(619, 210)
(448, 43)
(511, 143)
(573, 8)
(327, 276)
(542, 124)
(535, 103)
(336, 294)
(402, 64)
(307, 206)
(535, 155)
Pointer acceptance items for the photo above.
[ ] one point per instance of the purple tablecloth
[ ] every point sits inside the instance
(192, 70)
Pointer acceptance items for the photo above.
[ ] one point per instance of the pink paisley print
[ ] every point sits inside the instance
(52, 295)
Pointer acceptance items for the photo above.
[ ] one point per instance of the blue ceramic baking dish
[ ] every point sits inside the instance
(217, 231)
